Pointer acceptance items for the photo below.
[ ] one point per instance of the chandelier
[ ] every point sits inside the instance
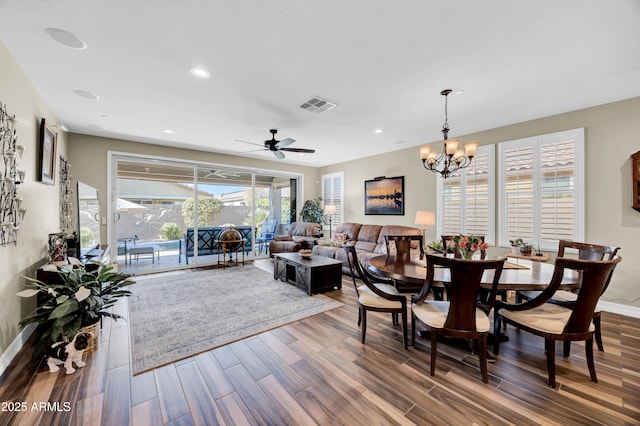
(451, 158)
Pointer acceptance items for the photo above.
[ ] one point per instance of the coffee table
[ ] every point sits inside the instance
(315, 274)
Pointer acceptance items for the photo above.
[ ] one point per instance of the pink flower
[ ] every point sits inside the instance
(463, 242)
(474, 247)
(484, 246)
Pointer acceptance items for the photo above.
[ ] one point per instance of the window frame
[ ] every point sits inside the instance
(537, 142)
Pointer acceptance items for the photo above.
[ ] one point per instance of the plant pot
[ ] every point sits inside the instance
(95, 340)
(515, 250)
(526, 251)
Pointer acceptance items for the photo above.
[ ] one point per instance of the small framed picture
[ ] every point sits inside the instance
(384, 196)
(47, 158)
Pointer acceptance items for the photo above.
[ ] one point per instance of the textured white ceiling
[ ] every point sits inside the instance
(383, 62)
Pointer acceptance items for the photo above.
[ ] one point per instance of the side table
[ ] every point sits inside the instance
(544, 258)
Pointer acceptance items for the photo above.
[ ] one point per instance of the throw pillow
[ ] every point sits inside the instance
(339, 239)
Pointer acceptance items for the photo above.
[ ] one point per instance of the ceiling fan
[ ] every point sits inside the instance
(222, 174)
(277, 146)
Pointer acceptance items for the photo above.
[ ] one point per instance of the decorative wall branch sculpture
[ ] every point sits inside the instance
(11, 214)
(65, 196)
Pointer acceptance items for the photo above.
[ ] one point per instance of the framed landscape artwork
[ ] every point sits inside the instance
(384, 196)
(47, 158)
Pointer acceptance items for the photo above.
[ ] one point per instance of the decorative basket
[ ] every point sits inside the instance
(94, 342)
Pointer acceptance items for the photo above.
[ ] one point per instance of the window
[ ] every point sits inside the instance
(466, 201)
(333, 193)
(541, 181)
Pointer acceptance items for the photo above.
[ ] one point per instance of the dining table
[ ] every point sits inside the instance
(519, 276)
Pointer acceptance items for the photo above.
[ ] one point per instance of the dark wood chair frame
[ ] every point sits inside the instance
(369, 280)
(403, 244)
(595, 277)
(586, 251)
(463, 291)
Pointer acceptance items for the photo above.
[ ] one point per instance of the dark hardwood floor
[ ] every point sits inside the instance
(315, 371)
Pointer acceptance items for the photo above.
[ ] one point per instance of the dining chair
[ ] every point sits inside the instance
(585, 251)
(403, 244)
(556, 322)
(460, 316)
(376, 294)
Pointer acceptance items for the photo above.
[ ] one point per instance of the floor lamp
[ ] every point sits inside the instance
(330, 209)
(425, 218)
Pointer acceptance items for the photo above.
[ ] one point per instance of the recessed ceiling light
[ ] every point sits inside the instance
(104, 115)
(168, 131)
(399, 142)
(377, 131)
(66, 38)
(86, 94)
(200, 72)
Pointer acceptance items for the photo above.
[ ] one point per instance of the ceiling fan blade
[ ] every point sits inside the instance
(278, 155)
(308, 151)
(250, 143)
(285, 142)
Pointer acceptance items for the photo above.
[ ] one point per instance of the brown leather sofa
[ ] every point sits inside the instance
(368, 239)
(299, 234)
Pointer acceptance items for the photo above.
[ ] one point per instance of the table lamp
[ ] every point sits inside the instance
(425, 218)
(330, 209)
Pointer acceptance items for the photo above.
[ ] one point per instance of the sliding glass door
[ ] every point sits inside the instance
(172, 214)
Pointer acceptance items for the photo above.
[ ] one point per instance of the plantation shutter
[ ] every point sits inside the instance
(542, 183)
(466, 200)
(333, 193)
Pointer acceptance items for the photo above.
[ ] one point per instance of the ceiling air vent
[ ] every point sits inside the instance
(317, 105)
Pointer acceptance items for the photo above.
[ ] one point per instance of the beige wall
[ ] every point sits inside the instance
(88, 159)
(40, 200)
(611, 136)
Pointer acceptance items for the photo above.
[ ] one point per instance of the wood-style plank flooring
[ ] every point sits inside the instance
(316, 371)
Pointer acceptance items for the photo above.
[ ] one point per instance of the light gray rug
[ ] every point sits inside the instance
(177, 316)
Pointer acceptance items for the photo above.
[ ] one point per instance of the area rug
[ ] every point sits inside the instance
(177, 316)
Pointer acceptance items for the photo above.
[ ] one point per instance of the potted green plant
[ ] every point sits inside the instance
(80, 298)
(515, 245)
(526, 249)
(312, 211)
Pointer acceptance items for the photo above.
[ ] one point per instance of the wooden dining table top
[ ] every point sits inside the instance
(523, 275)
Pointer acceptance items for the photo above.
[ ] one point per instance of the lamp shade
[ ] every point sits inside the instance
(425, 218)
(330, 209)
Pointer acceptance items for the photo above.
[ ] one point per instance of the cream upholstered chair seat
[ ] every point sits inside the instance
(368, 298)
(375, 294)
(434, 313)
(554, 322)
(546, 318)
(464, 315)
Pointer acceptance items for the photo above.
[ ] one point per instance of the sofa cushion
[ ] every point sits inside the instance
(367, 238)
(350, 229)
(304, 229)
(326, 251)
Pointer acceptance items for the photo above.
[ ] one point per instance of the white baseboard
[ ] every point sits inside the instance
(15, 346)
(617, 308)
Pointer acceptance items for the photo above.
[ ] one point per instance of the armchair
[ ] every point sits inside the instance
(555, 322)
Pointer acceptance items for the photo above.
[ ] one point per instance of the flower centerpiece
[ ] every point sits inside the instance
(467, 245)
